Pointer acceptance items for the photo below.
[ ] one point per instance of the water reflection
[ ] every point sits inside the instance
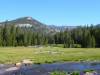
(45, 69)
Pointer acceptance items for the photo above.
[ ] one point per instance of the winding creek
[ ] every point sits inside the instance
(45, 69)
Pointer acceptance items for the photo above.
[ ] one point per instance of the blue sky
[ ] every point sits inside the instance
(58, 12)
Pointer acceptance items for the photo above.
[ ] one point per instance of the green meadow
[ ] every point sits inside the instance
(9, 55)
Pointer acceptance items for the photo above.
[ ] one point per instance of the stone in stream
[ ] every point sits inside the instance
(18, 64)
(90, 73)
(27, 62)
(12, 69)
(24, 62)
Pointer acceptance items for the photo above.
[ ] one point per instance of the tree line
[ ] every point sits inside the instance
(80, 37)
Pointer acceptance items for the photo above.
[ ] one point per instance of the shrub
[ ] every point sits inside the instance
(58, 73)
(77, 46)
(76, 73)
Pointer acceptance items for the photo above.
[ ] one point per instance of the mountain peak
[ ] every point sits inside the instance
(28, 18)
(25, 18)
(25, 21)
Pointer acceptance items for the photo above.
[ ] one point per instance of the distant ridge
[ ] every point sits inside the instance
(24, 20)
(28, 22)
(36, 25)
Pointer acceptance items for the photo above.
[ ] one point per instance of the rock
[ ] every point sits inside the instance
(89, 73)
(12, 69)
(18, 64)
(27, 61)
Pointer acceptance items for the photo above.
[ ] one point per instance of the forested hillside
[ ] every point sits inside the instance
(85, 37)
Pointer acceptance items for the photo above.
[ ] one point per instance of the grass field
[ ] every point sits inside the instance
(10, 55)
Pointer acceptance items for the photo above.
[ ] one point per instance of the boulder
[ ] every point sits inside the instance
(89, 73)
(18, 64)
(26, 61)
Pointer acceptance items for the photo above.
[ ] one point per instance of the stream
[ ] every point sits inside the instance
(45, 69)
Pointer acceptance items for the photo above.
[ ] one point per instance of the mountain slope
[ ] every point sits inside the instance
(28, 22)
(36, 26)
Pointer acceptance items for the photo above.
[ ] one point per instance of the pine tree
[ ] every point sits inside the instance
(13, 35)
(1, 38)
(6, 35)
(93, 42)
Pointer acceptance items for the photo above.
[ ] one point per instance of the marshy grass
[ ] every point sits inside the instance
(9, 55)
